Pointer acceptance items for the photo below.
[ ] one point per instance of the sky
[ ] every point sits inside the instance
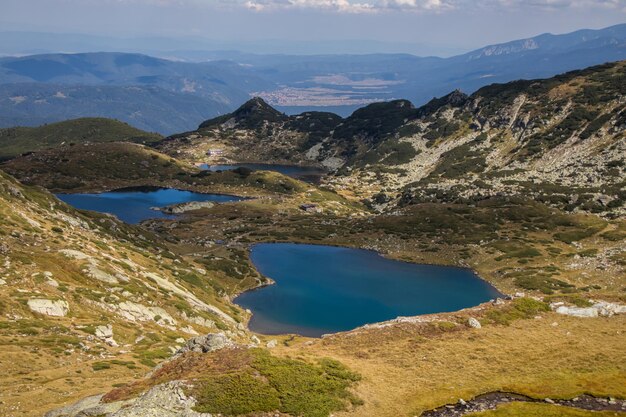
(433, 27)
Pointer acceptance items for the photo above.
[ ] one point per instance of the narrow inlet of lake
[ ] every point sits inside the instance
(325, 289)
(135, 205)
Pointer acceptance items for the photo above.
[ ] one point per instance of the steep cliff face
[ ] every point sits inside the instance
(560, 140)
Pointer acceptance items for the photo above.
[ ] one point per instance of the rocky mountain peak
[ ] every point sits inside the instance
(457, 98)
(251, 115)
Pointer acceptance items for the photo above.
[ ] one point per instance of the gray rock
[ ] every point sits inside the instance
(165, 400)
(58, 308)
(600, 308)
(606, 309)
(272, 344)
(207, 343)
(104, 332)
(472, 322)
(577, 311)
(86, 407)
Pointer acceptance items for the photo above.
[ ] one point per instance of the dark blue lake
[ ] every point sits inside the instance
(309, 174)
(324, 289)
(133, 206)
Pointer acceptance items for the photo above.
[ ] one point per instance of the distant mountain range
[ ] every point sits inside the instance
(168, 96)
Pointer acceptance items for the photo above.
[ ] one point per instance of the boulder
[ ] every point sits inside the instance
(272, 344)
(207, 343)
(472, 322)
(55, 308)
(104, 332)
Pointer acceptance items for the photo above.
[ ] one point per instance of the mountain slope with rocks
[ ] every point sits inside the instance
(561, 140)
(84, 299)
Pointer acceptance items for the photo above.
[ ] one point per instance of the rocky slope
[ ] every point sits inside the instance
(81, 296)
(561, 140)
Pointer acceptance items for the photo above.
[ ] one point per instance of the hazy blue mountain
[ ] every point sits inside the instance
(175, 95)
(149, 93)
(224, 80)
(146, 107)
(421, 78)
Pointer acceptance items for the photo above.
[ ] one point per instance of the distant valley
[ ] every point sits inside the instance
(166, 96)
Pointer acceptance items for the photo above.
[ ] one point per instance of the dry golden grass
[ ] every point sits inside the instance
(36, 382)
(405, 373)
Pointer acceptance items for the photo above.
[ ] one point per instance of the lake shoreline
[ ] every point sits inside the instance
(237, 299)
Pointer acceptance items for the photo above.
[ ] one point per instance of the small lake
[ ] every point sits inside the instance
(324, 289)
(308, 174)
(135, 205)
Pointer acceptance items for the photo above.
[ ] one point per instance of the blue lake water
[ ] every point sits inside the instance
(134, 206)
(324, 289)
(310, 174)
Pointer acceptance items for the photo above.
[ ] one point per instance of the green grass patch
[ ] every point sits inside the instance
(270, 383)
(520, 308)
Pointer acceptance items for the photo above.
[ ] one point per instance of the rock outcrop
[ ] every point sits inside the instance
(106, 334)
(55, 308)
(207, 343)
(165, 400)
(599, 308)
(185, 207)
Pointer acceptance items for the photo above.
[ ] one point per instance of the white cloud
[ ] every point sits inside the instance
(352, 6)
(373, 6)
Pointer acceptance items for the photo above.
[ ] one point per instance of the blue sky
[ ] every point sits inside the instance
(439, 26)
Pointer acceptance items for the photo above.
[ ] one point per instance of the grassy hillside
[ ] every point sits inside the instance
(17, 140)
(99, 272)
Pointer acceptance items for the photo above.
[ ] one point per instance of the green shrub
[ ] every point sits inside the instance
(520, 308)
(237, 394)
(270, 383)
(99, 366)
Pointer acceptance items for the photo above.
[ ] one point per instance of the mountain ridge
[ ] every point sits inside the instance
(501, 128)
